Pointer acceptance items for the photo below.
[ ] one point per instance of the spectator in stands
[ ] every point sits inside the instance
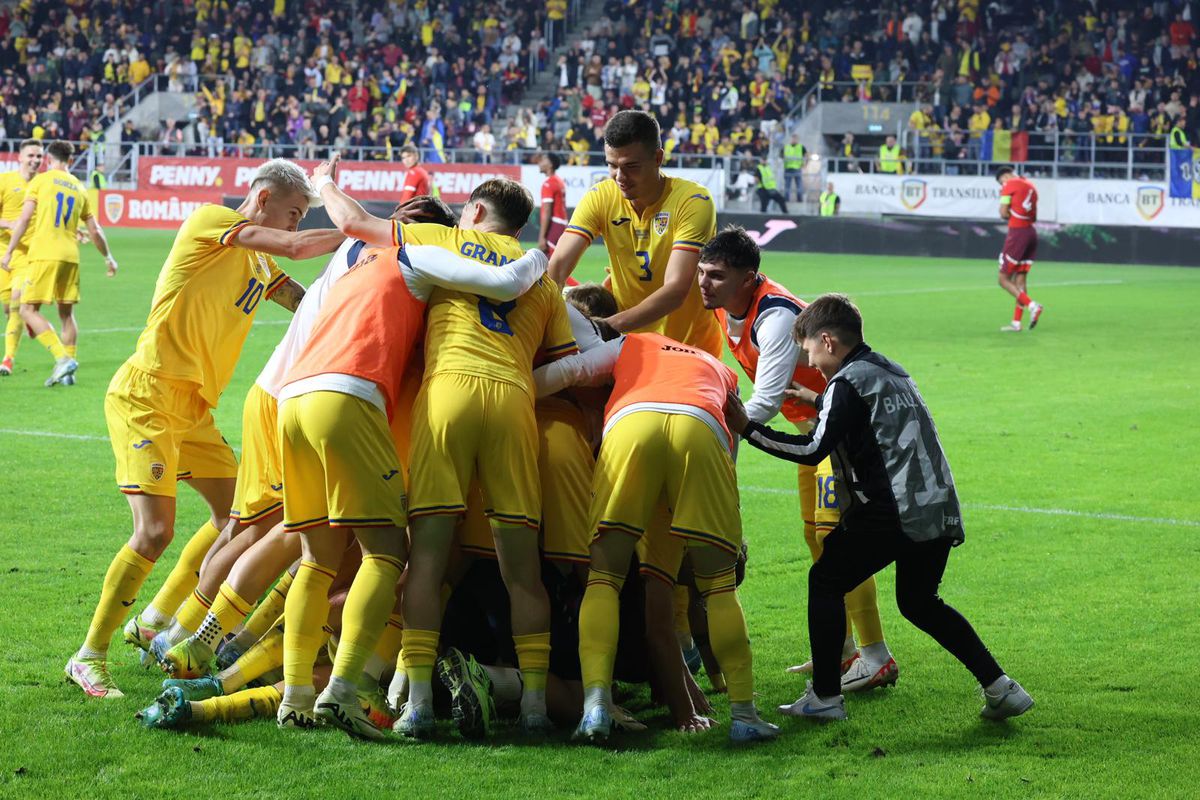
(768, 188)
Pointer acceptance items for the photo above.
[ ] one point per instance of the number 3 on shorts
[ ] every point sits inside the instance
(646, 275)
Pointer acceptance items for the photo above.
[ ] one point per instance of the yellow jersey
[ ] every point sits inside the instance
(683, 218)
(61, 203)
(12, 199)
(472, 335)
(204, 301)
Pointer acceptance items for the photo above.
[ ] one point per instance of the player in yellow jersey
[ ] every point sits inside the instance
(653, 227)
(473, 417)
(55, 204)
(159, 405)
(12, 201)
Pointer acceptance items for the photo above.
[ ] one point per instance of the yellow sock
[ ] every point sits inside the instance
(305, 613)
(862, 607)
(12, 333)
(228, 609)
(419, 652)
(192, 613)
(387, 649)
(371, 598)
(184, 575)
(727, 633)
(270, 609)
(49, 340)
(264, 656)
(533, 658)
(125, 576)
(807, 484)
(246, 704)
(599, 626)
(71, 349)
(682, 600)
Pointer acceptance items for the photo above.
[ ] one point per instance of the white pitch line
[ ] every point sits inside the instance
(52, 435)
(1057, 512)
(988, 288)
(141, 328)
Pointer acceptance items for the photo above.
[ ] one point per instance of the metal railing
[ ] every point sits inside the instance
(863, 92)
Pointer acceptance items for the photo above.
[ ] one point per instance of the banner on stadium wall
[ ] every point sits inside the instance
(580, 179)
(975, 197)
(366, 180)
(1104, 202)
(154, 209)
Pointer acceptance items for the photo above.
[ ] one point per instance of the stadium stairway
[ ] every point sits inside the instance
(546, 82)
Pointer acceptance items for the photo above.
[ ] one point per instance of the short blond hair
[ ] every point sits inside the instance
(281, 174)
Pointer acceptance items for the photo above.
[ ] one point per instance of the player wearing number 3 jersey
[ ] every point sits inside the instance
(653, 226)
(160, 402)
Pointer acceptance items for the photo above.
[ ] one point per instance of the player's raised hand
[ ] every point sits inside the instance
(327, 168)
(735, 413)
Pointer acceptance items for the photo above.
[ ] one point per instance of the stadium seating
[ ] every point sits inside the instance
(719, 76)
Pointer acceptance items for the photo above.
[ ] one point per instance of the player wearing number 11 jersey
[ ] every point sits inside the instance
(159, 404)
(55, 204)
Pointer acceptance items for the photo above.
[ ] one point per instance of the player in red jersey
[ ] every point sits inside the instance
(416, 180)
(553, 214)
(1018, 205)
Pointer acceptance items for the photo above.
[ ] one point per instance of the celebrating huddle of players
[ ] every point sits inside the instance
(448, 468)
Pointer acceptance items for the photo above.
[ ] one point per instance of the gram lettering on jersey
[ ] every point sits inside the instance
(481, 253)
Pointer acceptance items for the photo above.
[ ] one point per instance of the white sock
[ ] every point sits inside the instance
(155, 618)
(998, 686)
(848, 647)
(342, 690)
(177, 633)
(420, 693)
(744, 711)
(876, 653)
(87, 652)
(596, 696)
(533, 701)
(507, 686)
(299, 696)
(374, 667)
(398, 688)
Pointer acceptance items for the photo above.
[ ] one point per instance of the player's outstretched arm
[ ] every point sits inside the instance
(345, 212)
(96, 233)
(582, 369)
(288, 294)
(566, 256)
(832, 423)
(440, 267)
(678, 280)
(296, 245)
(18, 230)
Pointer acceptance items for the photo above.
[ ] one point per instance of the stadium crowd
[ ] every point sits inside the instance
(720, 77)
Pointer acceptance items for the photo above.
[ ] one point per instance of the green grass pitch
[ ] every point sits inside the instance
(1074, 448)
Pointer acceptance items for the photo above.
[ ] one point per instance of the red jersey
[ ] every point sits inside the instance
(655, 369)
(770, 294)
(554, 193)
(369, 327)
(416, 182)
(1021, 198)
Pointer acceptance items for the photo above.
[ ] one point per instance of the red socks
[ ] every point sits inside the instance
(1023, 300)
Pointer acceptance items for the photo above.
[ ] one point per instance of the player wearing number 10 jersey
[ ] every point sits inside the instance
(653, 227)
(160, 402)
